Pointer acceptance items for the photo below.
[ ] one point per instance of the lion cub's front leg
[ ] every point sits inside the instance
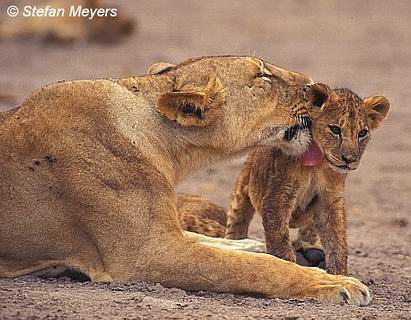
(331, 225)
(241, 210)
(276, 209)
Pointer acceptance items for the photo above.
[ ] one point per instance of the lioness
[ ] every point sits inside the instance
(88, 171)
(308, 192)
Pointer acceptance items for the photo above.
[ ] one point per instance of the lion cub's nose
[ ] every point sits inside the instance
(348, 158)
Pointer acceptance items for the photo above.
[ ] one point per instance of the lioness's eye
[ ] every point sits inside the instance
(362, 134)
(264, 73)
(264, 76)
(335, 130)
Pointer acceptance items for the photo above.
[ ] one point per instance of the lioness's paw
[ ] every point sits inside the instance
(341, 289)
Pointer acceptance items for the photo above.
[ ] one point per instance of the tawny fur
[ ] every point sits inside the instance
(199, 215)
(88, 171)
(290, 195)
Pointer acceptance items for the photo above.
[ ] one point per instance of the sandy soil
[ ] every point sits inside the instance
(364, 45)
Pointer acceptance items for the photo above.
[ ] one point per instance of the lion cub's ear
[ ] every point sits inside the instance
(193, 108)
(318, 94)
(377, 108)
(160, 67)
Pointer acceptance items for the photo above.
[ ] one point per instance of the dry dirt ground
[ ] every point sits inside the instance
(364, 45)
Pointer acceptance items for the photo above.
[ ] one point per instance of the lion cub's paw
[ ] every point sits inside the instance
(341, 289)
(312, 257)
(309, 254)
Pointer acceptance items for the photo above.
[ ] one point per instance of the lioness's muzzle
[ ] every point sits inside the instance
(303, 124)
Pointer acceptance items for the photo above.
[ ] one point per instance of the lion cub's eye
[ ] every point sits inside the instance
(335, 130)
(362, 134)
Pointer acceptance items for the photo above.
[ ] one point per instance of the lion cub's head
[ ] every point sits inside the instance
(343, 123)
(232, 103)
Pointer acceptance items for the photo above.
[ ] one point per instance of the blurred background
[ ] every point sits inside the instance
(363, 45)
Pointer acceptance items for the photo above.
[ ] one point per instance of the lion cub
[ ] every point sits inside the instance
(308, 192)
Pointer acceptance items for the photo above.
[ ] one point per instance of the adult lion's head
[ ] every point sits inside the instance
(239, 102)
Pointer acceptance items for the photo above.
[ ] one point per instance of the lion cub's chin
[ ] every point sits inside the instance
(341, 169)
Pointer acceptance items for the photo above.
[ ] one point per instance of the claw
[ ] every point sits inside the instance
(345, 295)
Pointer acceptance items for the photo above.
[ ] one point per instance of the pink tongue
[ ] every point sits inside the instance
(312, 156)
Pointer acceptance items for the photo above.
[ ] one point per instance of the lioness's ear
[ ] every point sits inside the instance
(318, 94)
(377, 108)
(193, 108)
(160, 67)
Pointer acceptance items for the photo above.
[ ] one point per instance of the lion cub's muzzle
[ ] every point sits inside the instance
(342, 165)
(348, 166)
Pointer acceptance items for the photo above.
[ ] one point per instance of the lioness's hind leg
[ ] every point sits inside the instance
(72, 268)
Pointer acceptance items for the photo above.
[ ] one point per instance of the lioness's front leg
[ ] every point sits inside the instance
(249, 245)
(190, 265)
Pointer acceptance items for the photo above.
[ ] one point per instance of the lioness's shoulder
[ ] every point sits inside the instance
(75, 94)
